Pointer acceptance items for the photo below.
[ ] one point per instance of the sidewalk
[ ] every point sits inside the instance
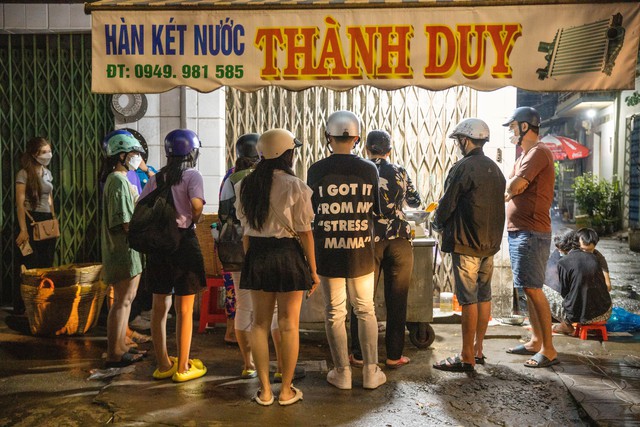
(43, 382)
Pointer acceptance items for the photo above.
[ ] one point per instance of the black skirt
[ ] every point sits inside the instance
(275, 265)
(180, 273)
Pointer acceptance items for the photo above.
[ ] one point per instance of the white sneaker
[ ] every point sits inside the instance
(372, 377)
(340, 378)
(140, 324)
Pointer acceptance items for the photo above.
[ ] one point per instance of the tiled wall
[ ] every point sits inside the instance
(25, 18)
(204, 113)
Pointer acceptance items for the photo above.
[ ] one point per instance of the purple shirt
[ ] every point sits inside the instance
(191, 187)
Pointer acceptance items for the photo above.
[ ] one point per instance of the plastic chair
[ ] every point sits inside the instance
(583, 330)
(210, 313)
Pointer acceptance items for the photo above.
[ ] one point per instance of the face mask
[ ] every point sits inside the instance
(134, 162)
(461, 151)
(44, 159)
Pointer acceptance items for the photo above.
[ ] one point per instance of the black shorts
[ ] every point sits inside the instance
(181, 273)
(275, 265)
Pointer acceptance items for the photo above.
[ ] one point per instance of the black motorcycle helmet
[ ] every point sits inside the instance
(246, 146)
(525, 115)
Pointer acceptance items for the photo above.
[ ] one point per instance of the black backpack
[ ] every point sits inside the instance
(153, 228)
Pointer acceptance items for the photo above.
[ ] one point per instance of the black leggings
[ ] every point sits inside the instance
(394, 258)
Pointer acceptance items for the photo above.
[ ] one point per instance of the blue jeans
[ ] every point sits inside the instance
(529, 252)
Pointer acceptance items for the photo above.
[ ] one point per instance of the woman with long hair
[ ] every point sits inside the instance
(34, 202)
(275, 210)
(180, 273)
(121, 265)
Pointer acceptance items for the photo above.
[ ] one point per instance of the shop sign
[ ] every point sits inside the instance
(560, 47)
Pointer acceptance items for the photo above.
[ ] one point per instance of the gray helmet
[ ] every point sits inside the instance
(471, 128)
(525, 115)
(246, 146)
(343, 123)
(379, 141)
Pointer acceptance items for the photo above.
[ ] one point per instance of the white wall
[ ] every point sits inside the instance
(31, 18)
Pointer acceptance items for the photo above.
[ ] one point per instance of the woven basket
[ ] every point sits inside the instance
(64, 275)
(70, 310)
(212, 265)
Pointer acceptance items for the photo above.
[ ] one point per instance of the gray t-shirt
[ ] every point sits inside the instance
(47, 187)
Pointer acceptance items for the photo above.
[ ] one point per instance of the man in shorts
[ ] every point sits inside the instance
(345, 196)
(470, 216)
(529, 196)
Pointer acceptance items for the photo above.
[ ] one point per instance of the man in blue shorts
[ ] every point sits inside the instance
(529, 196)
(470, 217)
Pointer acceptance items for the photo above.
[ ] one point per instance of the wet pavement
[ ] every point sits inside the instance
(44, 381)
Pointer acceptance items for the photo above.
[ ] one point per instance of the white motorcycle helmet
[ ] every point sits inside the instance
(471, 128)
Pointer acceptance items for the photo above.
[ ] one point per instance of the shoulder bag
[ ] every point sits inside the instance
(43, 230)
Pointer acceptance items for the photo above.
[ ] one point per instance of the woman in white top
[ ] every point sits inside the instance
(274, 206)
(34, 197)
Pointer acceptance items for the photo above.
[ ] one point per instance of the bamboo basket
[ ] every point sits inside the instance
(69, 310)
(64, 275)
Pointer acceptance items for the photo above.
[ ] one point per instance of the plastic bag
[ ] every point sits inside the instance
(623, 321)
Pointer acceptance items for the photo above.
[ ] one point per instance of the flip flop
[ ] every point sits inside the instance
(139, 338)
(135, 350)
(401, 362)
(521, 350)
(454, 364)
(297, 397)
(125, 360)
(540, 361)
(480, 360)
(256, 398)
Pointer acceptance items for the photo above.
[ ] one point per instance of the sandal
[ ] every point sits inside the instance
(398, 363)
(454, 364)
(256, 398)
(296, 397)
(139, 338)
(161, 375)
(356, 363)
(196, 370)
(125, 360)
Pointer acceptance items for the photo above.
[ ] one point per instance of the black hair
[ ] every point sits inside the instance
(255, 190)
(342, 139)
(568, 241)
(588, 236)
(33, 186)
(108, 165)
(176, 165)
(243, 163)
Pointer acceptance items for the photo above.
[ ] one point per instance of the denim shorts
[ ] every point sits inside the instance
(529, 253)
(472, 278)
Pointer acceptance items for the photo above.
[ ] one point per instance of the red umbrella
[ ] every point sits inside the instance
(564, 148)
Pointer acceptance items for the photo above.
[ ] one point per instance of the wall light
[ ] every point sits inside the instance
(591, 113)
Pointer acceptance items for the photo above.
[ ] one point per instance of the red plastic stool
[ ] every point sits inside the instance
(583, 330)
(209, 310)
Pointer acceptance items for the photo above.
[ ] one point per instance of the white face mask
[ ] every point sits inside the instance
(134, 161)
(44, 159)
(514, 136)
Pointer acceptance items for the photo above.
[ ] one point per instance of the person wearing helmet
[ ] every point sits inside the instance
(247, 158)
(121, 265)
(393, 251)
(529, 196)
(180, 273)
(274, 208)
(470, 218)
(345, 198)
(246, 155)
